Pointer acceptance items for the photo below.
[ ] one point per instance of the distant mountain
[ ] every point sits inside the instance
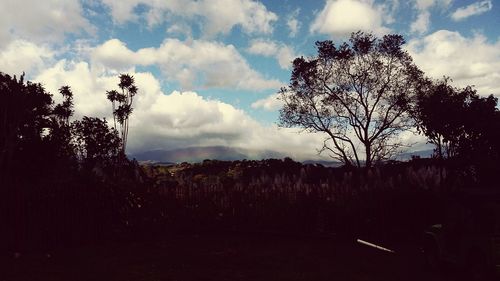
(198, 154)
(225, 153)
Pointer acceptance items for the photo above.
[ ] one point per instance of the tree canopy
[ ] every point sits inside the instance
(357, 94)
(25, 112)
(463, 125)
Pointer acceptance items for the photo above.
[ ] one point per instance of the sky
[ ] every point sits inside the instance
(208, 70)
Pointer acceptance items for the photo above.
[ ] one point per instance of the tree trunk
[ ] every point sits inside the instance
(368, 153)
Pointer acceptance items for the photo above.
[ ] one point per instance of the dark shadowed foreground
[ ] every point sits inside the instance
(228, 257)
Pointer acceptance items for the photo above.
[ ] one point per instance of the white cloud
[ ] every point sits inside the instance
(89, 89)
(180, 29)
(114, 54)
(421, 24)
(178, 119)
(468, 61)
(473, 9)
(23, 56)
(293, 23)
(270, 103)
(193, 64)
(427, 4)
(183, 119)
(284, 54)
(41, 21)
(423, 8)
(263, 47)
(219, 16)
(341, 17)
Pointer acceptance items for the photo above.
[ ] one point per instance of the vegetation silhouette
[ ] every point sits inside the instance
(357, 93)
(464, 127)
(65, 182)
(122, 105)
(59, 180)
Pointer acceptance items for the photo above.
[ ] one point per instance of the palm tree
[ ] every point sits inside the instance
(122, 105)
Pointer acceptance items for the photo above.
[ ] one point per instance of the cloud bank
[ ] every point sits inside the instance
(178, 119)
(217, 16)
(41, 21)
(467, 60)
(198, 63)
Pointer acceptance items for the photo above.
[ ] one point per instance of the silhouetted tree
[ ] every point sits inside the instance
(60, 128)
(481, 127)
(25, 111)
(456, 120)
(357, 94)
(95, 141)
(463, 126)
(478, 149)
(122, 105)
(64, 110)
(439, 114)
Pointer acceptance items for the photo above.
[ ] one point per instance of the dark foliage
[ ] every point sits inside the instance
(122, 105)
(95, 142)
(59, 183)
(464, 127)
(357, 93)
(285, 196)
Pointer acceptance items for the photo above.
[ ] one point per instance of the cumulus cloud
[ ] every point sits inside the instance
(423, 7)
(473, 9)
(178, 119)
(24, 56)
(284, 54)
(467, 60)
(182, 119)
(341, 17)
(270, 103)
(195, 63)
(219, 16)
(114, 54)
(41, 21)
(263, 47)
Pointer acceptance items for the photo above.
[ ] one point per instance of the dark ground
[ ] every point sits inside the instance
(212, 257)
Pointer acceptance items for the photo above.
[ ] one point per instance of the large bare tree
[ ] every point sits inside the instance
(357, 93)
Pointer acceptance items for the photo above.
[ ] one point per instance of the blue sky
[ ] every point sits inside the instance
(208, 70)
